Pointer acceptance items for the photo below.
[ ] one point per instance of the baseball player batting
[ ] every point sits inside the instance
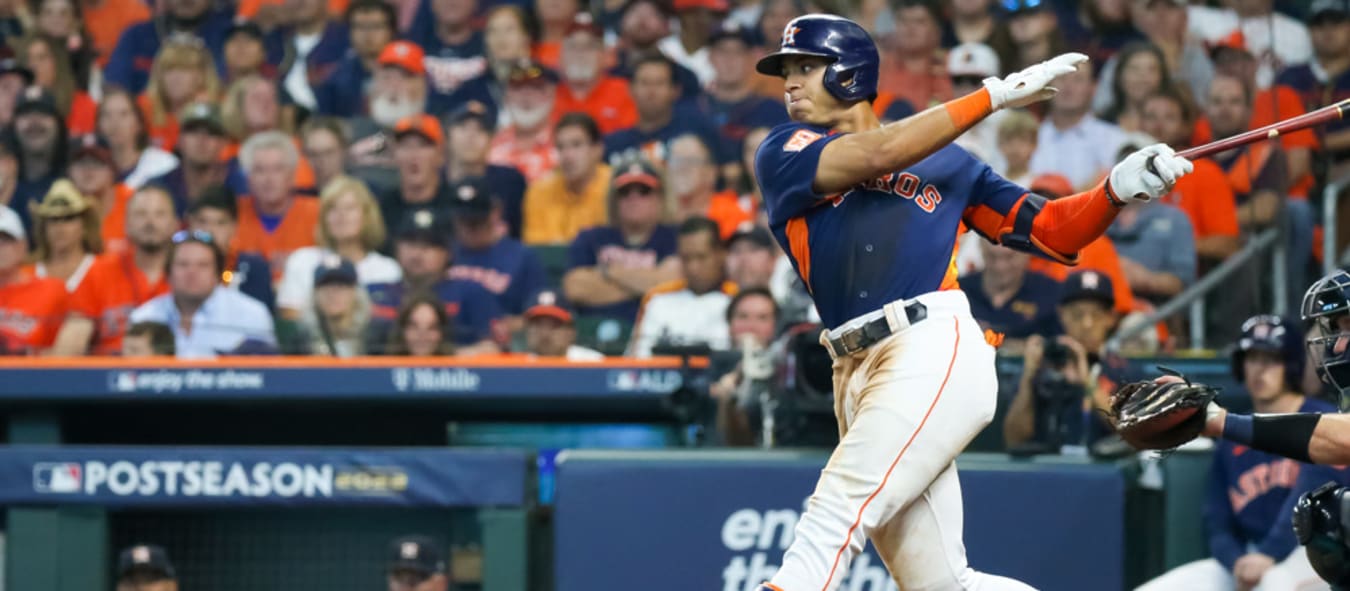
(869, 215)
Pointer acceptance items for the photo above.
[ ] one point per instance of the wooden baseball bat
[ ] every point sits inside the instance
(1321, 116)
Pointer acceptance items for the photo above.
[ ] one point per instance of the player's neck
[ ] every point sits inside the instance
(857, 118)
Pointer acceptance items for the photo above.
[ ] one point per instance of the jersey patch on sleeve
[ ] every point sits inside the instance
(800, 140)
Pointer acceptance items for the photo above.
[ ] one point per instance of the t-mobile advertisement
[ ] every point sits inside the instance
(639, 520)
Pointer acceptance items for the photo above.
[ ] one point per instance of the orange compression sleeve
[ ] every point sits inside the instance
(970, 109)
(1066, 225)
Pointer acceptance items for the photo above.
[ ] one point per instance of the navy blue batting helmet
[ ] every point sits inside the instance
(1272, 334)
(852, 75)
(1324, 305)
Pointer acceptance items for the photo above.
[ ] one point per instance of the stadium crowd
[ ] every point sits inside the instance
(461, 177)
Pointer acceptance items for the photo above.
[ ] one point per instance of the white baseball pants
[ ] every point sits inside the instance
(906, 407)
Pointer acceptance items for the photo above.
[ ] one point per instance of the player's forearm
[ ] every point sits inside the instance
(1306, 437)
(859, 157)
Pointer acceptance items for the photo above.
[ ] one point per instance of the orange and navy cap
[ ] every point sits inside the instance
(548, 304)
(636, 172)
(422, 124)
(528, 71)
(404, 55)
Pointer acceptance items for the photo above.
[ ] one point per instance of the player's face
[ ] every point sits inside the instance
(215, 222)
(13, 251)
(548, 336)
(750, 265)
(804, 90)
(703, 261)
(423, 335)
(1162, 119)
(1087, 321)
(1342, 343)
(754, 316)
(1263, 375)
(193, 273)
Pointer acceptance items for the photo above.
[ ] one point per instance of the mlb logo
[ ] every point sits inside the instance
(57, 477)
(122, 381)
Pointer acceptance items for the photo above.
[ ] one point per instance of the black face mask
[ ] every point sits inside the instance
(1321, 521)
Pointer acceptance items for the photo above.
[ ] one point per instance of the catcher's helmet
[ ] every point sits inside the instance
(1273, 334)
(1324, 304)
(854, 72)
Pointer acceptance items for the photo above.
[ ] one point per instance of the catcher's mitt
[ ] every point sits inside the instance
(1160, 414)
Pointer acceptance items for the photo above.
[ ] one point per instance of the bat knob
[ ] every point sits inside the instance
(1148, 165)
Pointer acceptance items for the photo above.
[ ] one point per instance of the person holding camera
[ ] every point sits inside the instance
(752, 323)
(1065, 379)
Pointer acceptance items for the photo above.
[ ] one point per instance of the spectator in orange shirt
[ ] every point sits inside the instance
(106, 19)
(273, 220)
(252, 106)
(527, 143)
(1099, 255)
(184, 72)
(92, 172)
(555, 19)
(572, 197)
(916, 70)
(31, 308)
(66, 232)
(585, 87)
(1204, 194)
(120, 281)
(692, 174)
(122, 124)
(51, 68)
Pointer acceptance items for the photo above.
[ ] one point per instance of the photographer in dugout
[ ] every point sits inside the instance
(1067, 378)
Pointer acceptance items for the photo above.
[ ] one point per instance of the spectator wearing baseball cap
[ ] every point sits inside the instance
(41, 147)
(66, 235)
(1099, 255)
(417, 563)
(145, 566)
(611, 266)
(31, 308)
(351, 228)
(246, 53)
(527, 143)
(201, 141)
(419, 155)
(215, 212)
(1326, 78)
(423, 246)
(469, 130)
(397, 90)
(968, 64)
(371, 25)
(500, 264)
(689, 46)
(453, 41)
(572, 197)
(730, 102)
(586, 87)
(550, 329)
(752, 256)
(95, 177)
(336, 321)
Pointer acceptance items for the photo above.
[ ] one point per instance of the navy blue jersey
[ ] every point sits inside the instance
(1030, 311)
(1317, 92)
(886, 239)
(605, 245)
(507, 269)
(253, 276)
(656, 145)
(129, 65)
(471, 309)
(449, 66)
(734, 120)
(1248, 490)
(343, 92)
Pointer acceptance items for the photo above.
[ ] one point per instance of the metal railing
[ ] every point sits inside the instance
(1330, 258)
(1194, 296)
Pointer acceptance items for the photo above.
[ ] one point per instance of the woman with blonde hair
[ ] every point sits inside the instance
(183, 73)
(68, 233)
(50, 64)
(350, 227)
(123, 126)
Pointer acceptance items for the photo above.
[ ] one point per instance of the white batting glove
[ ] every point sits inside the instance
(1135, 180)
(1031, 85)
